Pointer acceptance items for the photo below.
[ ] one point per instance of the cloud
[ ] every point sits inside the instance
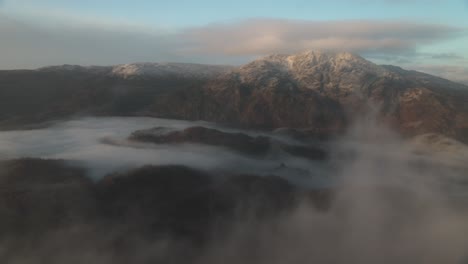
(451, 72)
(25, 45)
(29, 44)
(393, 202)
(96, 143)
(447, 56)
(264, 36)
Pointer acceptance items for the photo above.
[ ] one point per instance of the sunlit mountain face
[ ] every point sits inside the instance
(241, 132)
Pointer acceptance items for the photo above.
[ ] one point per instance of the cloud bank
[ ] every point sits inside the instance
(31, 45)
(451, 72)
(265, 36)
(391, 204)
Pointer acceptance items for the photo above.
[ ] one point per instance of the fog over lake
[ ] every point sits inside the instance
(393, 202)
(101, 145)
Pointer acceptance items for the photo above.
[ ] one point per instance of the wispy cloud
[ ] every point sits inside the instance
(264, 36)
(447, 56)
(26, 44)
(451, 72)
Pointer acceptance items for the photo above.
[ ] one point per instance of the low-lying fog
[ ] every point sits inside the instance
(394, 204)
(86, 141)
(101, 145)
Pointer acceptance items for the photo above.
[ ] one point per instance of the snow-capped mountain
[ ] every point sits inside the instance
(318, 91)
(146, 70)
(185, 70)
(315, 70)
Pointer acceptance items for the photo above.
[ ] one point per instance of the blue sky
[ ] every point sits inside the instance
(196, 13)
(430, 35)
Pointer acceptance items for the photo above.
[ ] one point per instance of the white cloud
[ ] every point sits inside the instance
(25, 45)
(254, 37)
(451, 72)
(87, 41)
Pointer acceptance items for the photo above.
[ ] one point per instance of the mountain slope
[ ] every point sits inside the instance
(324, 92)
(319, 91)
(177, 70)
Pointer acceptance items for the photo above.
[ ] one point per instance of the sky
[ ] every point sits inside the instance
(426, 35)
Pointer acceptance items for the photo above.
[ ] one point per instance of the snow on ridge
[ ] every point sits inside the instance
(168, 69)
(299, 64)
(317, 70)
(146, 69)
(307, 63)
(70, 68)
(313, 58)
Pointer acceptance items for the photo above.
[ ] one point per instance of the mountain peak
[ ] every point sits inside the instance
(320, 55)
(318, 70)
(307, 60)
(317, 56)
(336, 60)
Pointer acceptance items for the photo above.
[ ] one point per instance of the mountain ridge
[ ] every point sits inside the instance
(319, 91)
(146, 69)
(314, 56)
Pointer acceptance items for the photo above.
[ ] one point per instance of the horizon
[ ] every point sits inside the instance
(108, 33)
(234, 65)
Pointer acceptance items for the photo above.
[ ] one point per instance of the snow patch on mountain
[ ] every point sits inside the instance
(183, 70)
(319, 60)
(317, 70)
(76, 68)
